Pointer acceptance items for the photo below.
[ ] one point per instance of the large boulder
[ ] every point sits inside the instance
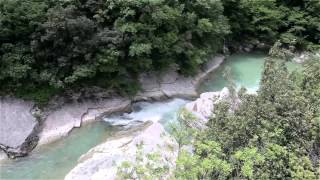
(61, 121)
(203, 107)
(18, 126)
(103, 161)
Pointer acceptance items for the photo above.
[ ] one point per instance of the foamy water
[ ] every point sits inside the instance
(155, 112)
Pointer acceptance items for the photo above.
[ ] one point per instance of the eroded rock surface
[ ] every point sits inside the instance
(169, 84)
(203, 107)
(19, 129)
(17, 126)
(62, 120)
(102, 161)
(155, 86)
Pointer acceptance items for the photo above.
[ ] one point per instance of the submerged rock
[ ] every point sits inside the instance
(102, 161)
(18, 127)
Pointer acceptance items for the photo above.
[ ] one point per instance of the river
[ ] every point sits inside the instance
(54, 161)
(246, 70)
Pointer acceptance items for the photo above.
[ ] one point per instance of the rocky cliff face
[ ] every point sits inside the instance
(102, 161)
(18, 127)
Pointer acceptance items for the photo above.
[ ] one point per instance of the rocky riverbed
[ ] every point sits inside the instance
(60, 158)
(104, 161)
(52, 123)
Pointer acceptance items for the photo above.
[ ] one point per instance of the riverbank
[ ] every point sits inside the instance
(60, 119)
(55, 160)
(103, 161)
(58, 158)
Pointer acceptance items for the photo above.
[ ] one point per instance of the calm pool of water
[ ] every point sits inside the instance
(246, 70)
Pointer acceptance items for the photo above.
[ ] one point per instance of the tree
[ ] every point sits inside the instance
(67, 44)
(272, 135)
(145, 166)
(294, 23)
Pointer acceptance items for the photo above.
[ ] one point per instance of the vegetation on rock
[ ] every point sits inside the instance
(149, 166)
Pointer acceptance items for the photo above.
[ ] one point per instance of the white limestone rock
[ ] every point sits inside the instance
(102, 161)
(61, 121)
(203, 107)
(17, 126)
(169, 84)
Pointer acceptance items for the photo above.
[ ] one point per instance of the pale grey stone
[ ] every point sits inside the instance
(61, 121)
(16, 124)
(102, 161)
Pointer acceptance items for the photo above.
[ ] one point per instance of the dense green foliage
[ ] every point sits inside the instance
(294, 22)
(103, 42)
(66, 44)
(47, 46)
(272, 135)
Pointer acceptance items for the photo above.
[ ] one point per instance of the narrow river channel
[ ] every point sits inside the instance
(54, 161)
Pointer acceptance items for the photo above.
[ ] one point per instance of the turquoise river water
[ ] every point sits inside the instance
(54, 161)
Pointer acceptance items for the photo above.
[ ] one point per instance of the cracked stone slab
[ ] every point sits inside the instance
(61, 121)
